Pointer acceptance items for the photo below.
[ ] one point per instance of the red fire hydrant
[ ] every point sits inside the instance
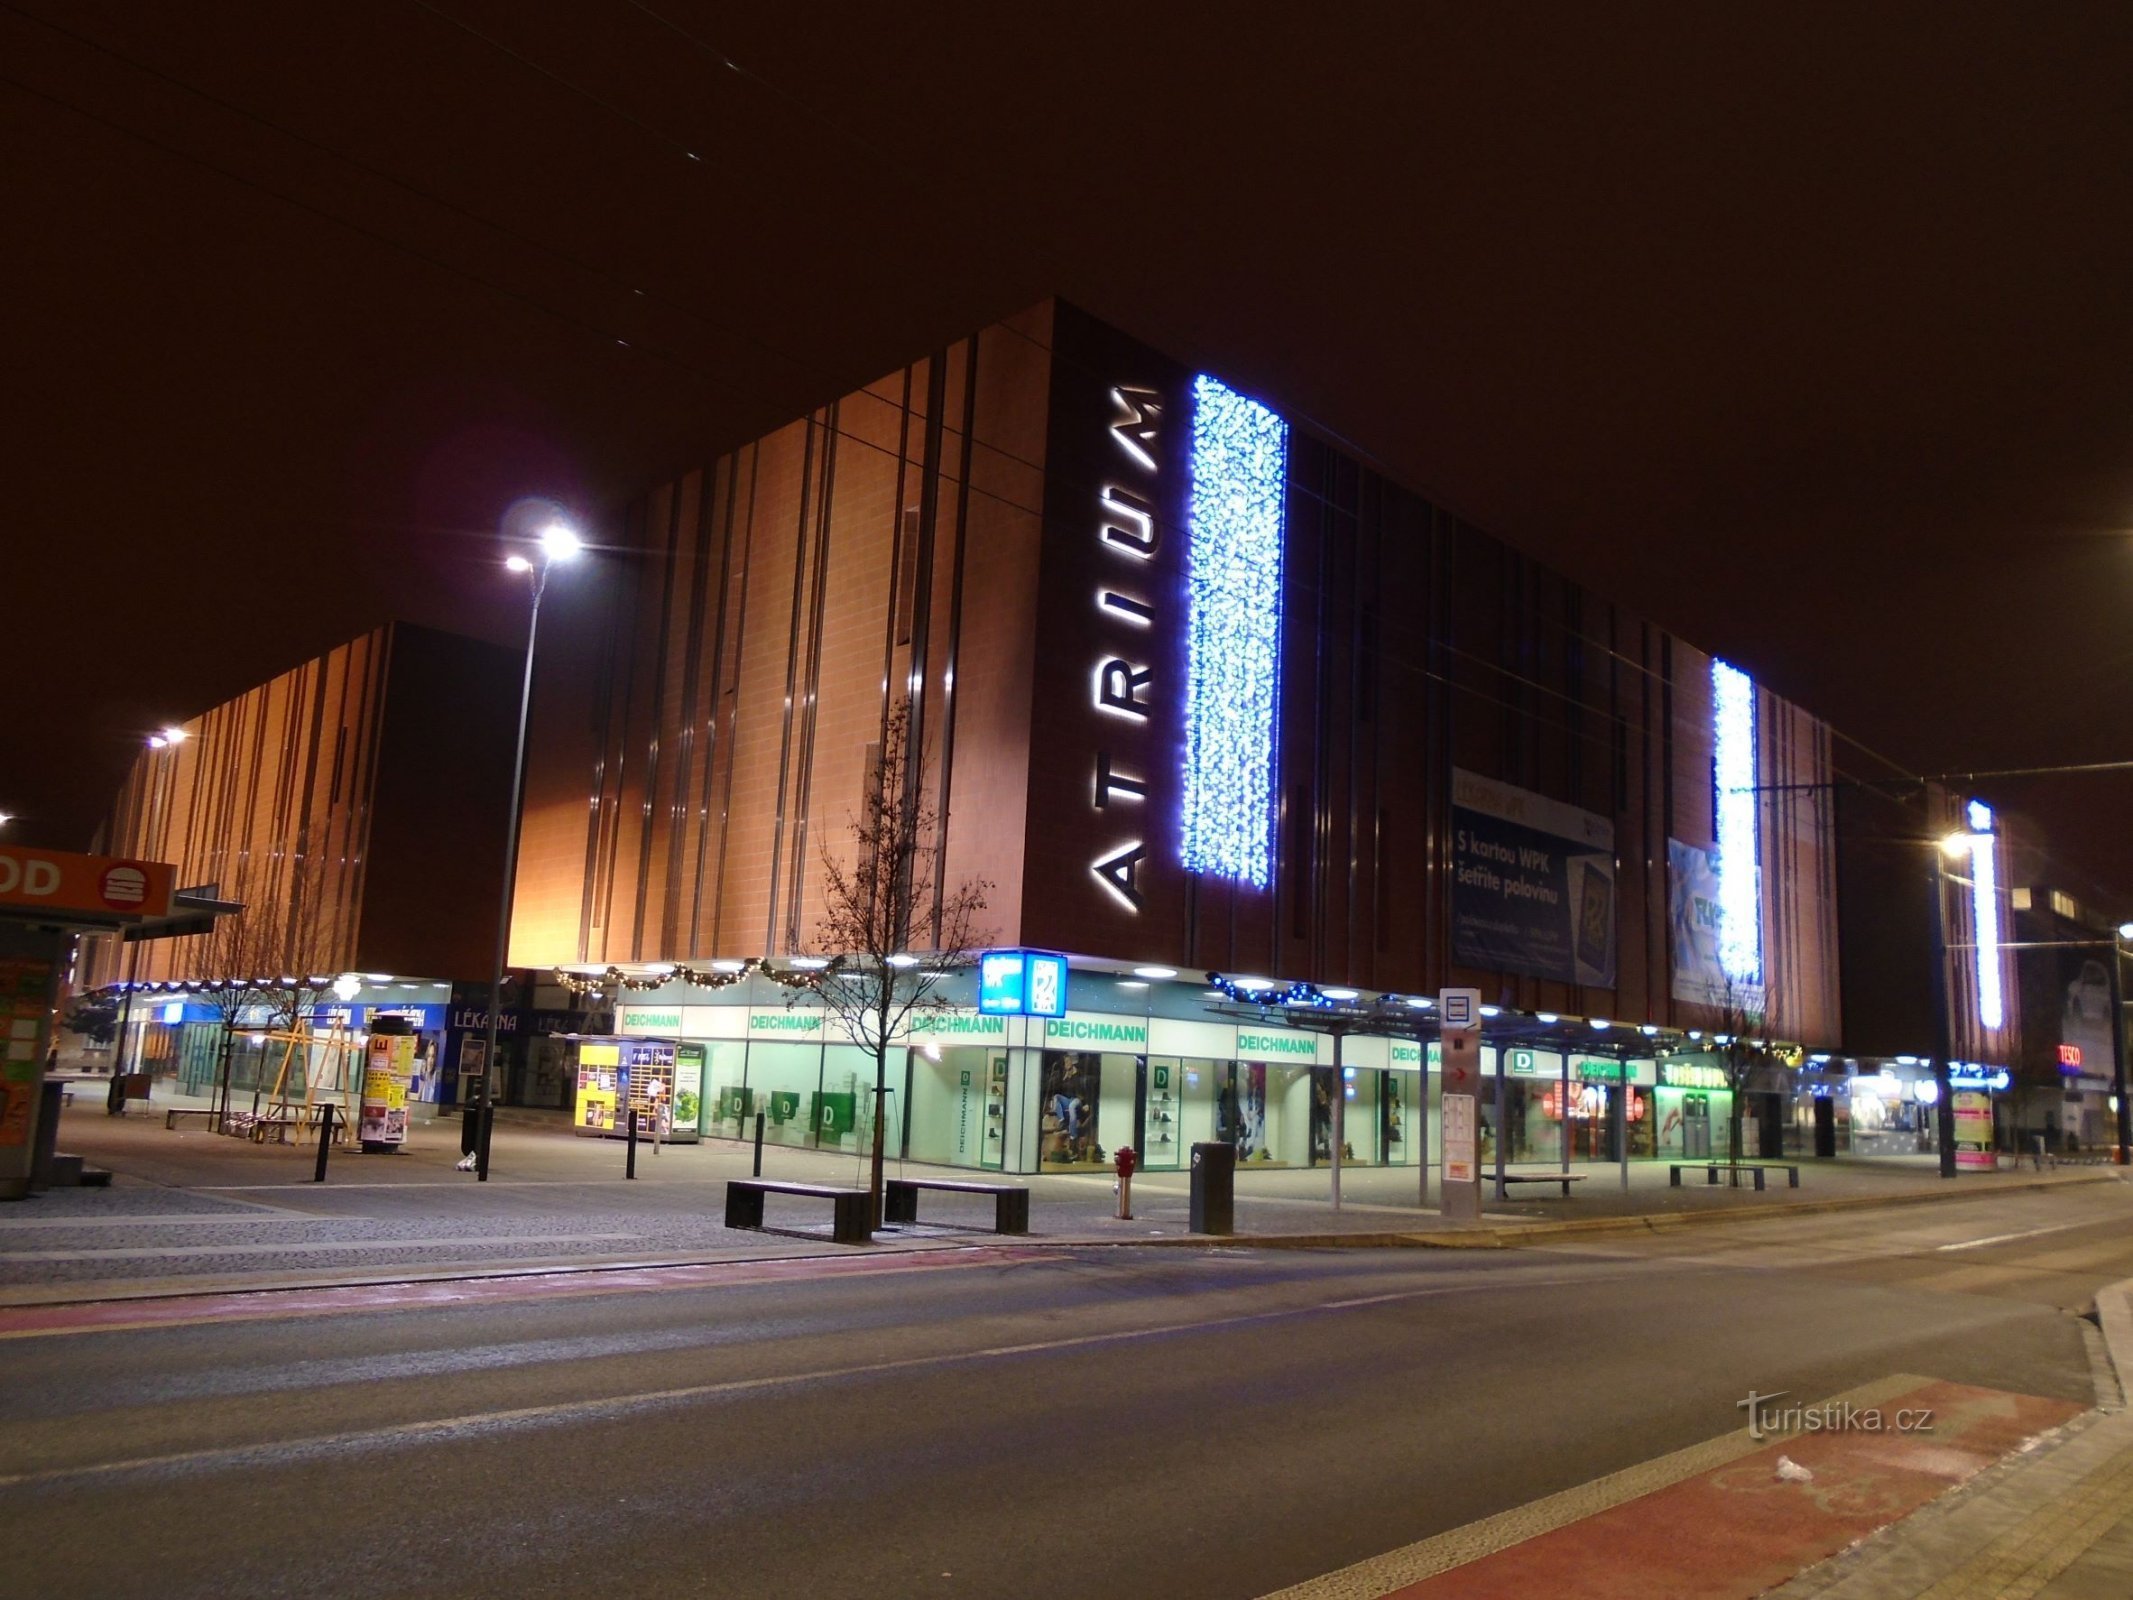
(1124, 1163)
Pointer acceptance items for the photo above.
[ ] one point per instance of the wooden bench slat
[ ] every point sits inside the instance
(961, 1187)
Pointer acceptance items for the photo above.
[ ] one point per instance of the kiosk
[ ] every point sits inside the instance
(658, 1078)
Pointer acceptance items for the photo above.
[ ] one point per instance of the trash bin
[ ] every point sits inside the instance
(1214, 1188)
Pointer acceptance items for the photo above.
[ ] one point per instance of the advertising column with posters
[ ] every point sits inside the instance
(1533, 884)
(388, 1063)
(1973, 1131)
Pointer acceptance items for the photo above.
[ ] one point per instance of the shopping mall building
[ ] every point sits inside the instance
(1201, 692)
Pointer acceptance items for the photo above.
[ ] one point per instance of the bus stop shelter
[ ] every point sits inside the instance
(49, 898)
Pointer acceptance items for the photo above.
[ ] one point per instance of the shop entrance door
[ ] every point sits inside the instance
(1696, 1126)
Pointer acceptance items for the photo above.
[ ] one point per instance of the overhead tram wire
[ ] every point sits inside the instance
(903, 176)
(1596, 736)
(1600, 737)
(841, 382)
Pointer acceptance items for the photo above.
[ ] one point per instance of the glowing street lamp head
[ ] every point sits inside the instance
(174, 735)
(559, 543)
(2125, 929)
(1955, 845)
(517, 564)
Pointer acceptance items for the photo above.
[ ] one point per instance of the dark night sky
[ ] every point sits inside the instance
(1804, 329)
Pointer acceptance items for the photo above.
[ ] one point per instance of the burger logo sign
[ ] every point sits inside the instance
(125, 887)
(55, 880)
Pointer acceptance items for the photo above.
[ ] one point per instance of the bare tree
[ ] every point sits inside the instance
(890, 932)
(1744, 1051)
(271, 964)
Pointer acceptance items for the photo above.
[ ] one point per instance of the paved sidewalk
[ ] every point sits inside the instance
(2055, 1523)
(193, 1211)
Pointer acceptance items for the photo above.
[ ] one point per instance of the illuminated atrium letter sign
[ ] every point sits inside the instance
(1239, 480)
(1122, 683)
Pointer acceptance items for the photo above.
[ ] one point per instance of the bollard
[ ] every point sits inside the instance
(759, 1144)
(325, 1141)
(1124, 1163)
(630, 1168)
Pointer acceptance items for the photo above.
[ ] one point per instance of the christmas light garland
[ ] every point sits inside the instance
(579, 983)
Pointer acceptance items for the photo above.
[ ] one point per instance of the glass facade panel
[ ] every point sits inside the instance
(782, 1080)
(843, 1111)
(958, 1106)
(1067, 1109)
(1166, 1140)
(728, 1111)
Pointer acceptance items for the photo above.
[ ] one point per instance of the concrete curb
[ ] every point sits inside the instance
(1506, 1236)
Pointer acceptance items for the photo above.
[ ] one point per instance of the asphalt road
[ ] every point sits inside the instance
(1178, 1423)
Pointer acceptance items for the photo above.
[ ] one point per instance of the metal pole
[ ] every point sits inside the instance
(1501, 1109)
(485, 1105)
(1563, 1105)
(1622, 1094)
(1943, 1046)
(325, 1140)
(629, 1168)
(118, 1060)
(1422, 1115)
(2118, 1052)
(759, 1144)
(1338, 1119)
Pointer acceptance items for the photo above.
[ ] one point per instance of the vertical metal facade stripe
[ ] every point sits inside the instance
(655, 725)
(811, 684)
(792, 671)
(955, 628)
(733, 694)
(929, 511)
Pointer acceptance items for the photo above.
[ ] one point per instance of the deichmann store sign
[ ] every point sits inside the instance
(1087, 1030)
(1533, 884)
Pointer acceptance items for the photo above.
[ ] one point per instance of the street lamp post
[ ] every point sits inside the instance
(558, 543)
(2119, 939)
(1943, 1042)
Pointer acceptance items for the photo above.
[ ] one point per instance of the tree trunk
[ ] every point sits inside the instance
(881, 1096)
(222, 1078)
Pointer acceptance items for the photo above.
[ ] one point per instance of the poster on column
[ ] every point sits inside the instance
(1973, 1131)
(1533, 884)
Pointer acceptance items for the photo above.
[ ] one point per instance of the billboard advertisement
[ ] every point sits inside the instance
(1533, 884)
(1692, 911)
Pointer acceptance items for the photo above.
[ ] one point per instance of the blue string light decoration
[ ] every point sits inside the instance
(1733, 765)
(1261, 993)
(1240, 453)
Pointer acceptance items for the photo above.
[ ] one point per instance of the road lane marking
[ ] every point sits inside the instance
(201, 1219)
(2026, 1233)
(285, 1247)
(645, 1400)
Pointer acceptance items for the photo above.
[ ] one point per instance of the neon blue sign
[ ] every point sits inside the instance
(1022, 983)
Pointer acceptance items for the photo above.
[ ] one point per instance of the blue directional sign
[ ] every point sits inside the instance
(1022, 983)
